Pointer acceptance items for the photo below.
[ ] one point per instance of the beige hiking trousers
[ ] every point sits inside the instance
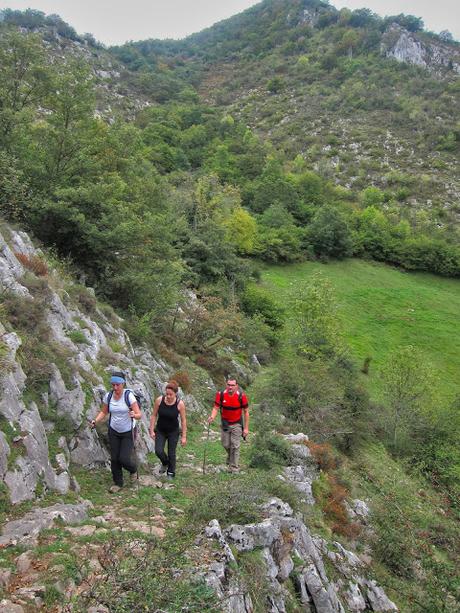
(231, 440)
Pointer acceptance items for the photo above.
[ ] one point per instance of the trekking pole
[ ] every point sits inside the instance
(205, 448)
(133, 436)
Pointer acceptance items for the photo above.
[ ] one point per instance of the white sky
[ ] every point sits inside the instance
(116, 21)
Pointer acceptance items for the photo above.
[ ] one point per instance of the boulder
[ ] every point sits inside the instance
(25, 531)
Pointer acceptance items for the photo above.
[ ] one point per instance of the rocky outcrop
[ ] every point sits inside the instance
(290, 555)
(25, 531)
(404, 46)
(73, 396)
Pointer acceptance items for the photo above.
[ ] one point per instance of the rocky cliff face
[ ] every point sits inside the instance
(327, 577)
(405, 46)
(33, 453)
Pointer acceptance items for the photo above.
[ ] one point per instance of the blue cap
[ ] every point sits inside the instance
(117, 379)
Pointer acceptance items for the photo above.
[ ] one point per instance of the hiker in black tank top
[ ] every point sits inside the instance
(168, 416)
(164, 427)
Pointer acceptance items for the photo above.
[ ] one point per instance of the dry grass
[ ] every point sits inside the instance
(34, 263)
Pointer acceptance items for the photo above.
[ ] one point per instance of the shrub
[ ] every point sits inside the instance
(23, 313)
(392, 545)
(235, 503)
(258, 301)
(78, 337)
(147, 577)
(268, 450)
(85, 298)
(34, 263)
(324, 455)
(183, 379)
(331, 495)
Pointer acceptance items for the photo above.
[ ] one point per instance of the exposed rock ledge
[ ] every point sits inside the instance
(289, 551)
(25, 531)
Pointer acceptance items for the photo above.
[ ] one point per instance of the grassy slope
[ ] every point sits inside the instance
(383, 308)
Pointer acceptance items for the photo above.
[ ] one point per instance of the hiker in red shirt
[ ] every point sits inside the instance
(234, 413)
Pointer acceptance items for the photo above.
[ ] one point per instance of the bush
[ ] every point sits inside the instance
(85, 298)
(269, 449)
(183, 379)
(34, 263)
(237, 502)
(392, 544)
(148, 576)
(23, 313)
(258, 301)
(78, 337)
(331, 495)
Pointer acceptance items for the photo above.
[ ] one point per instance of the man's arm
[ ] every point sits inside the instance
(246, 421)
(214, 412)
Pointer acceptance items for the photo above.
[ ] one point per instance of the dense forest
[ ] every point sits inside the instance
(280, 136)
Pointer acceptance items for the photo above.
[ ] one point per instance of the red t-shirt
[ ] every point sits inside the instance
(231, 406)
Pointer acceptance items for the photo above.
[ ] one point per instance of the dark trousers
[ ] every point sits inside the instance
(168, 459)
(121, 454)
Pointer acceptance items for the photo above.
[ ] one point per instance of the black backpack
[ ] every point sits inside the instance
(221, 398)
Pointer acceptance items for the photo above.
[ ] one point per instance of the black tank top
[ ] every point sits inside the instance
(168, 416)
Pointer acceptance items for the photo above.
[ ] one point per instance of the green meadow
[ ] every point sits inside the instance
(382, 308)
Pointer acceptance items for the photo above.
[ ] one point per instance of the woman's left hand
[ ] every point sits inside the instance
(183, 440)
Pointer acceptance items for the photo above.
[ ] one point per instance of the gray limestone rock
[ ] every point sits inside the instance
(301, 451)
(86, 449)
(4, 453)
(283, 537)
(7, 606)
(12, 381)
(301, 477)
(10, 268)
(405, 46)
(214, 531)
(379, 601)
(61, 461)
(23, 477)
(24, 561)
(275, 506)
(354, 598)
(246, 538)
(361, 509)
(26, 530)
(69, 403)
(296, 439)
(323, 595)
(5, 577)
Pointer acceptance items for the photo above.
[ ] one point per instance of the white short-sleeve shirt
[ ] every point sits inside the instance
(120, 421)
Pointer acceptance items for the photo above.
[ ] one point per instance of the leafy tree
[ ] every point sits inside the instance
(361, 18)
(58, 141)
(372, 233)
(275, 85)
(24, 81)
(411, 23)
(14, 190)
(273, 186)
(317, 328)
(281, 244)
(241, 231)
(372, 196)
(408, 385)
(330, 234)
(257, 301)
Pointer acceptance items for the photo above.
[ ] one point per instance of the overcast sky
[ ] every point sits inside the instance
(116, 21)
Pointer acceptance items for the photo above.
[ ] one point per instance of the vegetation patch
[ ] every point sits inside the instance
(34, 263)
